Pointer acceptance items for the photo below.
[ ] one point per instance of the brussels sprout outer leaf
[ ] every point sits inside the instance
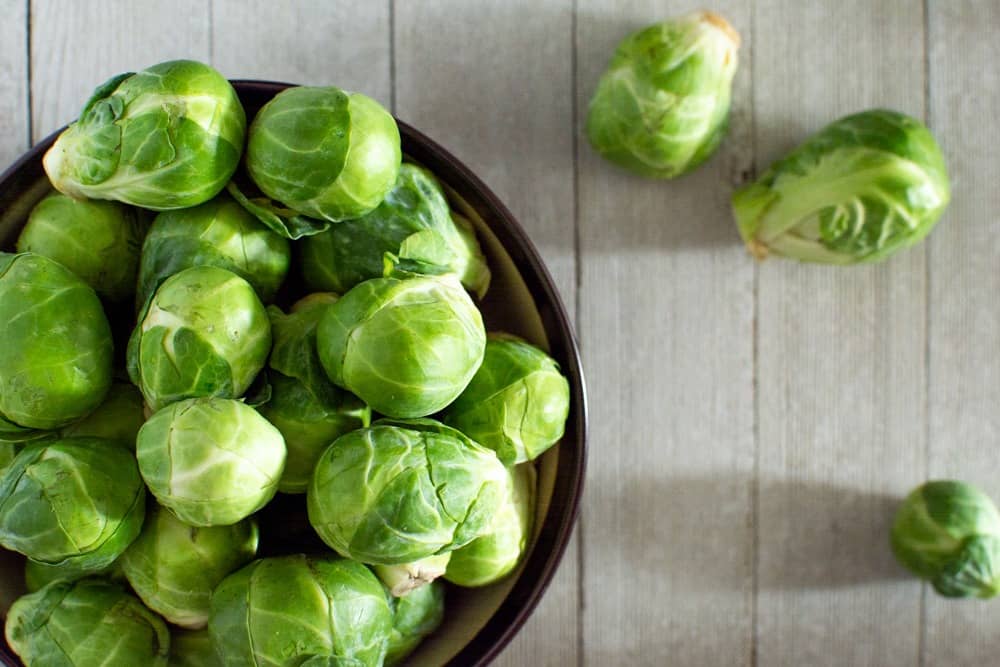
(975, 572)
(280, 220)
(415, 616)
(39, 575)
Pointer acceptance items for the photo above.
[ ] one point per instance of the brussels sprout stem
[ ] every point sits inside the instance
(722, 24)
(402, 579)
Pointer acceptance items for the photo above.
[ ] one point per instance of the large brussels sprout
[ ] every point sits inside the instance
(859, 190)
(406, 346)
(662, 106)
(517, 402)
(117, 418)
(203, 333)
(324, 152)
(403, 490)
(297, 610)
(193, 648)
(87, 623)
(948, 533)
(212, 461)
(174, 567)
(217, 233)
(167, 137)
(77, 502)
(55, 361)
(414, 616)
(413, 225)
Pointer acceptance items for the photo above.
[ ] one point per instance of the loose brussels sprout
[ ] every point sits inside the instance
(404, 490)
(297, 610)
(859, 190)
(401, 580)
(517, 402)
(193, 648)
(117, 418)
(203, 333)
(414, 617)
(76, 502)
(662, 107)
(212, 461)
(948, 533)
(167, 137)
(88, 623)
(406, 346)
(174, 567)
(324, 152)
(217, 233)
(55, 361)
(39, 575)
(413, 225)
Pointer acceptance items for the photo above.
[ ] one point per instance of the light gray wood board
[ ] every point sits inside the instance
(667, 331)
(964, 401)
(492, 82)
(840, 364)
(14, 126)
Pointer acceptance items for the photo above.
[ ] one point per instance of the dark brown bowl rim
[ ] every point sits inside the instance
(557, 528)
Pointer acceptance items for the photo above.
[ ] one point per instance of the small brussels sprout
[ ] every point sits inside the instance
(167, 137)
(403, 490)
(193, 648)
(414, 617)
(87, 623)
(211, 461)
(77, 502)
(203, 333)
(860, 189)
(948, 533)
(117, 418)
(324, 152)
(406, 346)
(297, 610)
(55, 361)
(401, 580)
(174, 567)
(39, 575)
(413, 224)
(662, 106)
(517, 402)
(217, 233)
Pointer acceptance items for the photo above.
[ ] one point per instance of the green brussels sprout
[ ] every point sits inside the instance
(167, 137)
(193, 648)
(217, 233)
(77, 502)
(297, 610)
(413, 225)
(493, 556)
(414, 617)
(99, 241)
(324, 152)
(406, 346)
(860, 189)
(203, 333)
(55, 362)
(662, 106)
(117, 418)
(211, 461)
(87, 623)
(403, 490)
(948, 533)
(517, 402)
(39, 575)
(174, 567)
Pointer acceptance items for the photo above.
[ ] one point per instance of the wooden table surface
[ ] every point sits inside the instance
(753, 426)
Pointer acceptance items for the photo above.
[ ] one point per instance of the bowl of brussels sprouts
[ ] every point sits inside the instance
(283, 382)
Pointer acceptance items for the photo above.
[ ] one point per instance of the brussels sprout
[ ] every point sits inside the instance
(406, 346)
(8, 450)
(77, 502)
(193, 648)
(167, 137)
(203, 333)
(493, 556)
(414, 617)
(324, 152)
(517, 402)
(117, 418)
(297, 610)
(401, 580)
(217, 233)
(662, 107)
(403, 490)
(948, 533)
(412, 224)
(55, 361)
(88, 623)
(859, 190)
(212, 461)
(39, 575)
(174, 567)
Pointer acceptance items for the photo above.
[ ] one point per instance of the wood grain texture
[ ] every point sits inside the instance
(14, 126)
(666, 324)
(841, 368)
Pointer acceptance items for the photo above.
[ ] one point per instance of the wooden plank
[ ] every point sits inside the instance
(841, 373)
(964, 303)
(13, 80)
(666, 323)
